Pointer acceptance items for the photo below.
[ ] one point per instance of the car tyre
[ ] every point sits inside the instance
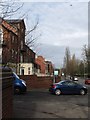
(57, 92)
(17, 90)
(82, 92)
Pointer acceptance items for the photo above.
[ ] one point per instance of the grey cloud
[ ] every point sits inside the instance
(56, 53)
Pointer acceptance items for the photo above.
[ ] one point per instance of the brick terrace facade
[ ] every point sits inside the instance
(16, 53)
(20, 25)
(46, 67)
(49, 68)
(41, 61)
(9, 42)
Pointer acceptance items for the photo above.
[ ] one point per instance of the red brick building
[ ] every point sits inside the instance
(28, 66)
(29, 55)
(49, 68)
(26, 57)
(9, 41)
(20, 26)
(41, 61)
(15, 52)
(46, 67)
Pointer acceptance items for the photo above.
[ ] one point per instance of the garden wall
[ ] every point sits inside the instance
(35, 82)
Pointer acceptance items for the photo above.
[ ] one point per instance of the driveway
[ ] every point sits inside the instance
(42, 104)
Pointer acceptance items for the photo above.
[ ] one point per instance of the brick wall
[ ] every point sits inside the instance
(41, 61)
(7, 93)
(10, 41)
(35, 82)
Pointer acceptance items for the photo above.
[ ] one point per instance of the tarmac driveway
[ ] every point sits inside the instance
(42, 104)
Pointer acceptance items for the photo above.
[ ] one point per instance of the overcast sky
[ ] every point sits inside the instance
(61, 24)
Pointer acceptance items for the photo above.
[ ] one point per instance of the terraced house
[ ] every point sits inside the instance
(15, 53)
(46, 67)
(8, 35)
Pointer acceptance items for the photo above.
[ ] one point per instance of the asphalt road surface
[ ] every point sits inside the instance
(42, 104)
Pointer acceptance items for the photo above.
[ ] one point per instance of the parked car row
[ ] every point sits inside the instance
(62, 87)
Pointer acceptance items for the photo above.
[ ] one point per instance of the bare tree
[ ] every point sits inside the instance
(9, 8)
(86, 57)
(70, 63)
(30, 38)
(67, 60)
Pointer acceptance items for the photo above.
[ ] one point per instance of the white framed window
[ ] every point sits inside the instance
(13, 39)
(13, 53)
(28, 70)
(21, 58)
(1, 36)
(21, 44)
(0, 55)
(18, 25)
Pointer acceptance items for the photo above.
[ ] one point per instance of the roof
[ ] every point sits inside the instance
(15, 21)
(8, 26)
(27, 47)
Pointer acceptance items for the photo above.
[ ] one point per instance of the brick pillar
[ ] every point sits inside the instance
(7, 93)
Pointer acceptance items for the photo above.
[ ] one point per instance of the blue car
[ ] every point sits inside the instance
(19, 84)
(67, 87)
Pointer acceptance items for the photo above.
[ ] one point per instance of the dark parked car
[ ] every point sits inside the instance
(67, 87)
(74, 78)
(19, 84)
(87, 81)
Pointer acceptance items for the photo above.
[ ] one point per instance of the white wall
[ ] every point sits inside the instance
(25, 66)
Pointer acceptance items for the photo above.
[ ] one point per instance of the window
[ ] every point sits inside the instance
(21, 58)
(21, 44)
(18, 25)
(1, 36)
(0, 55)
(22, 30)
(28, 70)
(13, 39)
(12, 53)
(69, 83)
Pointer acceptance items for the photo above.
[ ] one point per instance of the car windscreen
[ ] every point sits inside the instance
(16, 75)
(61, 82)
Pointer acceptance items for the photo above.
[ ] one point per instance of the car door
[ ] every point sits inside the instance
(72, 87)
(69, 87)
(65, 87)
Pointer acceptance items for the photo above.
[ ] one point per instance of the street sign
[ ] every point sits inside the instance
(55, 72)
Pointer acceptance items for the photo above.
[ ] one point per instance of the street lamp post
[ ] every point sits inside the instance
(84, 68)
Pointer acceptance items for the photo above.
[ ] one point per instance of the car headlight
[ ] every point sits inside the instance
(23, 83)
(84, 87)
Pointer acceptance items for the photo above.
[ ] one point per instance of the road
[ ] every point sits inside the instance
(42, 104)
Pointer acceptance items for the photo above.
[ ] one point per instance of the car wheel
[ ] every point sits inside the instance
(17, 90)
(57, 92)
(82, 92)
